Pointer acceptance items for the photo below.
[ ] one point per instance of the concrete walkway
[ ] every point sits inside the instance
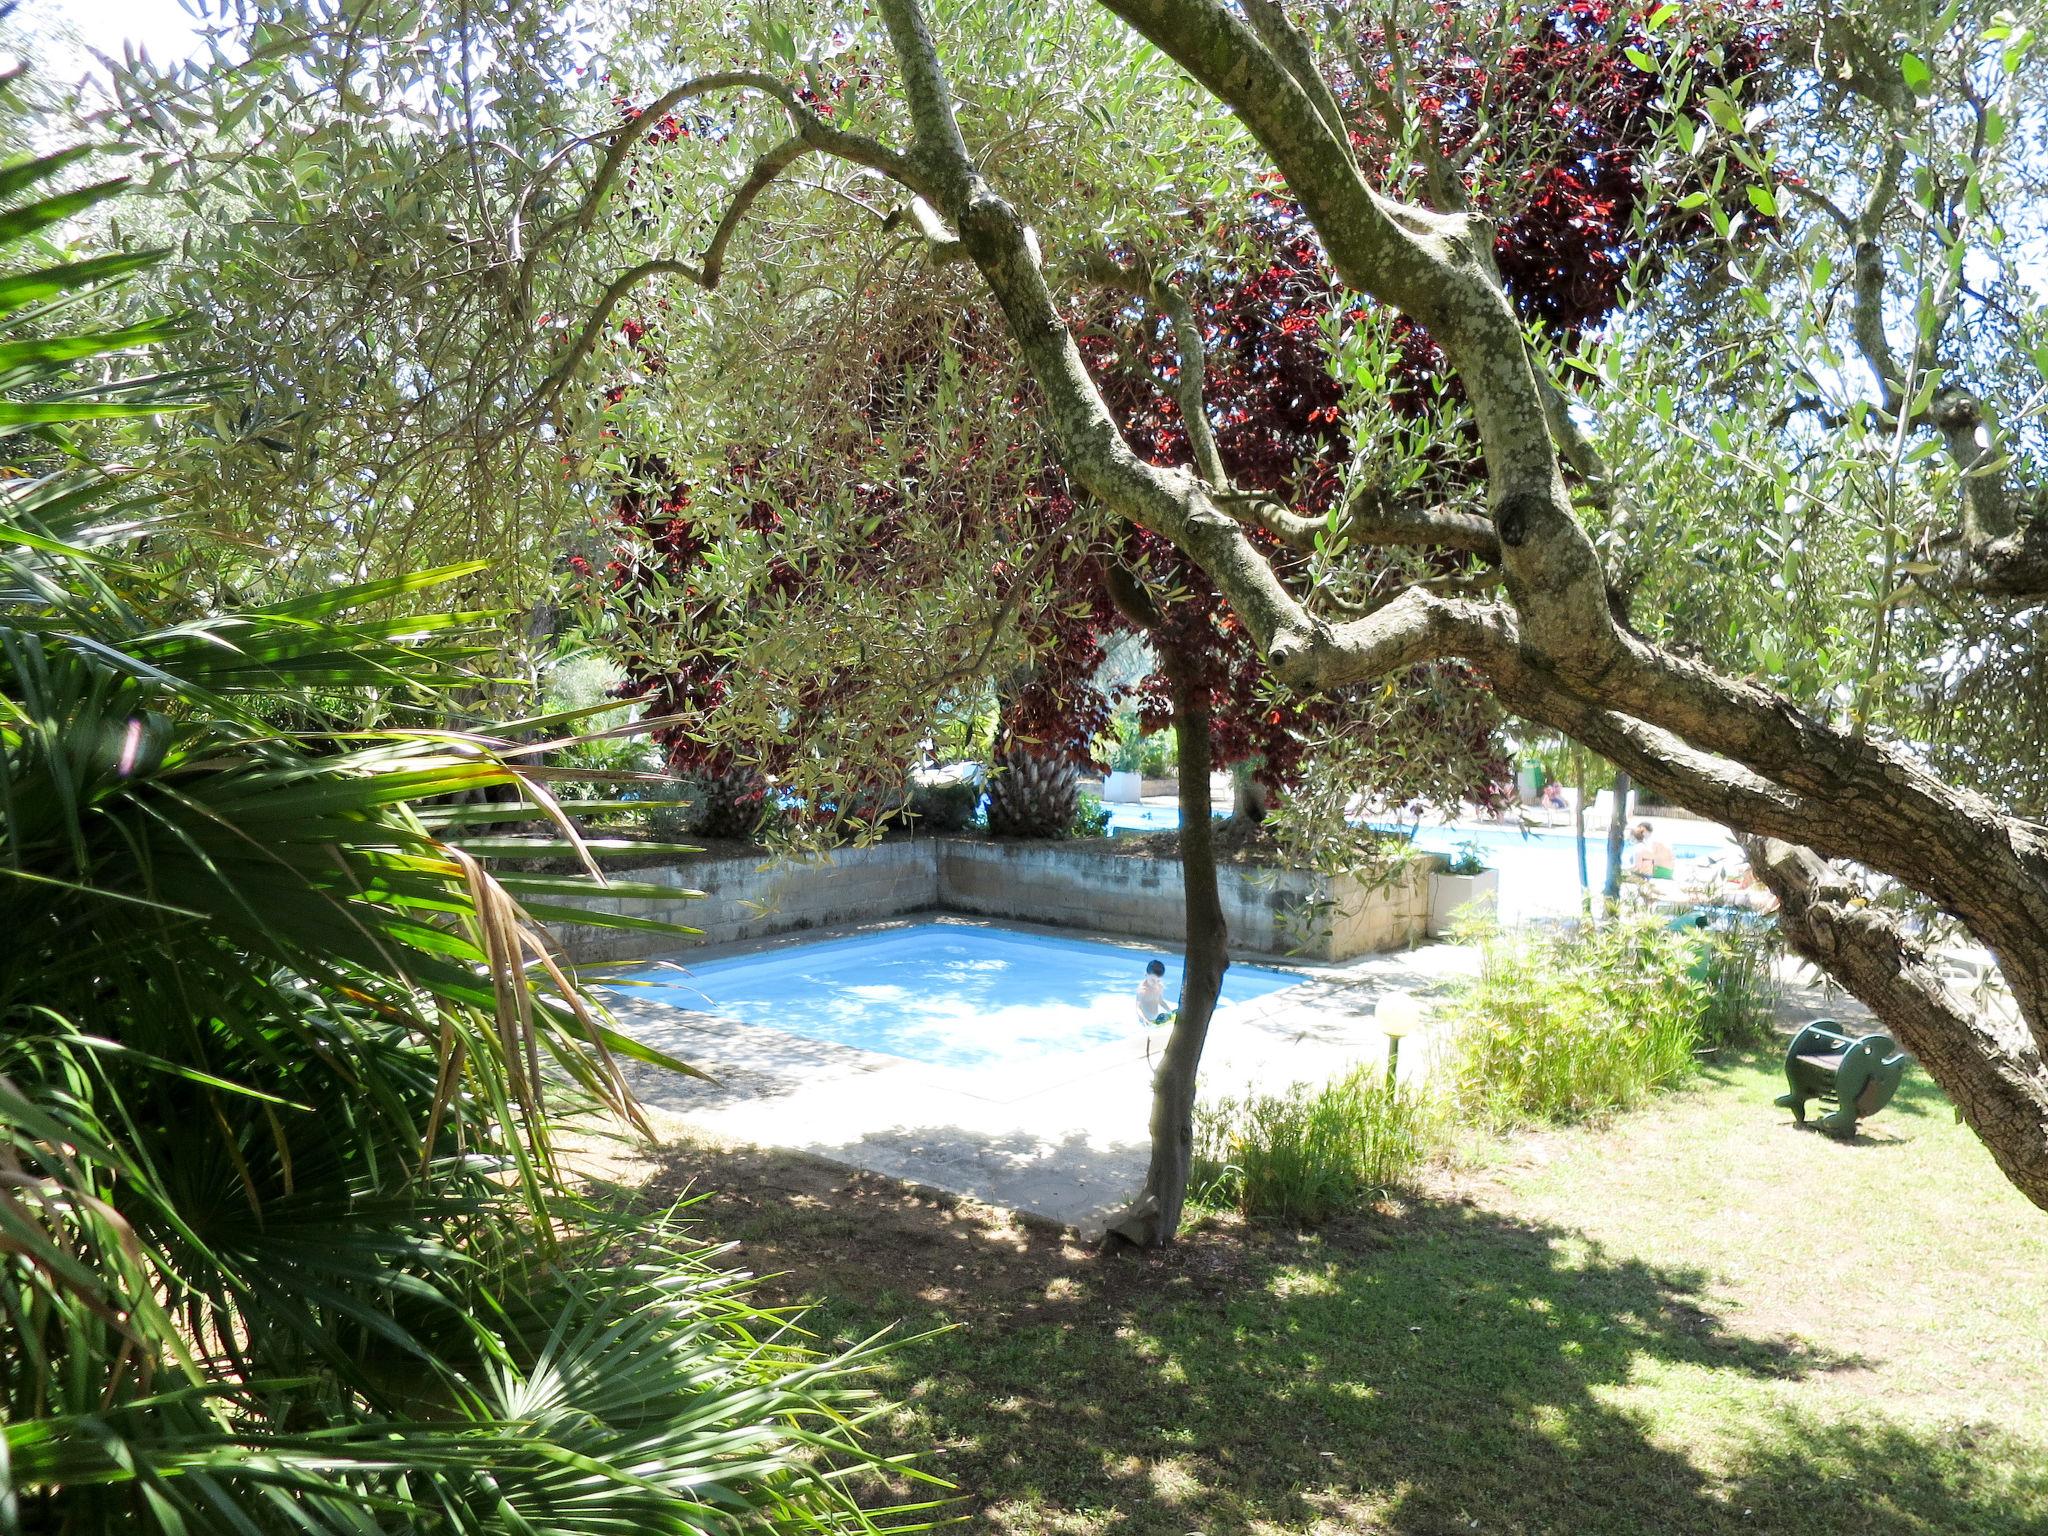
(1067, 1142)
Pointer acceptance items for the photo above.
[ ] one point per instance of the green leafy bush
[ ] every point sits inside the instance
(1128, 755)
(1161, 756)
(1559, 1025)
(1091, 816)
(1309, 1154)
(666, 809)
(1738, 966)
(1122, 746)
(948, 807)
(611, 763)
(1468, 860)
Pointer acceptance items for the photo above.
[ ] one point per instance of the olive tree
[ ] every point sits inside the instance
(1803, 785)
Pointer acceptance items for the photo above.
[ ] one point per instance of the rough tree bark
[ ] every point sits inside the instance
(1248, 800)
(1154, 1218)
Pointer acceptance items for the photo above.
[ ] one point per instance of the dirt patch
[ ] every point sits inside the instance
(816, 1229)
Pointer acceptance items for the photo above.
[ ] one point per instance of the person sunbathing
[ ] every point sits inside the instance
(1743, 889)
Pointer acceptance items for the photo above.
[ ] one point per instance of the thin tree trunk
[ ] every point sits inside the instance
(1247, 796)
(1579, 824)
(1617, 825)
(1154, 1219)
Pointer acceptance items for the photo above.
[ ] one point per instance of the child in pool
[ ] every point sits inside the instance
(1152, 994)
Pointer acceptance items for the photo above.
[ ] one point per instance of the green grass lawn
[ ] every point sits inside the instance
(1696, 1318)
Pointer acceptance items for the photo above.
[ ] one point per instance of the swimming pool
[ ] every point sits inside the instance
(1539, 870)
(1556, 845)
(947, 994)
(1129, 818)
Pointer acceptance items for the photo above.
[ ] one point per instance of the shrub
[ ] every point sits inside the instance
(948, 807)
(1161, 756)
(1561, 1025)
(734, 805)
(1468, 860)
(1091, 817)
(671, 807)
(611, 763)
(1739, 968)
(1307, 1155)
(283, 1070)
(1123, 745)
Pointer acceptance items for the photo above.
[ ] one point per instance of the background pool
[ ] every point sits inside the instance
(1539, 870)
(1128, 818)
(945, 993)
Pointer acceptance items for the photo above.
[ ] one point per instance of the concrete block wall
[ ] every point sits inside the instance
(748, 898)
(1270, 912)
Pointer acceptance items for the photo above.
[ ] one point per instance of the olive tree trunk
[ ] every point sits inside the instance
(1154, 1219)
(1617, 826)
(1579, 825)
(1248, 799)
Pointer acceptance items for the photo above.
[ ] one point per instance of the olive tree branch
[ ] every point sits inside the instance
(1142, 281)
(1556, 652)
(812, 132)
(1284, 41)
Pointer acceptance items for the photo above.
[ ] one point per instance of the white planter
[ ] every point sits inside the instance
(1447, 893)
(1123, 787)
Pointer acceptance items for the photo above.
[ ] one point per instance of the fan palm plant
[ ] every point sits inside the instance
(283, 1242)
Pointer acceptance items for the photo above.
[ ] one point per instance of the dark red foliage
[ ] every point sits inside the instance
(1562, 123)
(659, 546)
(1557, 128)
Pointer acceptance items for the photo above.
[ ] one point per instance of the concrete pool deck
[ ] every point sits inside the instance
(1067, 1142)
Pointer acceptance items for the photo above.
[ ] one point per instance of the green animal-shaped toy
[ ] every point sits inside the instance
(1858, 1074)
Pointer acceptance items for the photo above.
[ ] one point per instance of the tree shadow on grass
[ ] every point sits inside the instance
(1442, 1368)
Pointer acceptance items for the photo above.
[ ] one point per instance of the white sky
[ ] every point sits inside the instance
(162, 26)
(165, 29)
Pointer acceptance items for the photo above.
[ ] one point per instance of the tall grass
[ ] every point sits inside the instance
(1740, 971)
(1563, 1025)
(1557, 1026)
(1307, 1154)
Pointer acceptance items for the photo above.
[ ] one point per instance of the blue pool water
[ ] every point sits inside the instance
(943, 993)
(1539, 870)
(1128, 818)
(1552, 845)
